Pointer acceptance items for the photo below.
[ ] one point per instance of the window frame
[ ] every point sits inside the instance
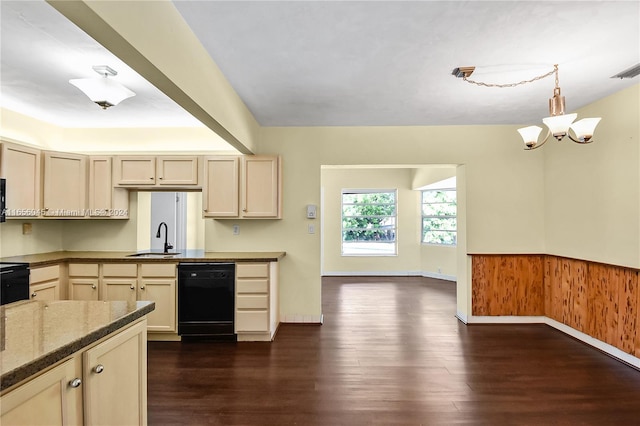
(394, 217)
(445, 216)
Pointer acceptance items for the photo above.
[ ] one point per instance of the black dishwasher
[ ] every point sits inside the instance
(206, 301)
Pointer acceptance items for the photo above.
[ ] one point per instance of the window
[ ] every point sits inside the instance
(439, 224)
(368, 222)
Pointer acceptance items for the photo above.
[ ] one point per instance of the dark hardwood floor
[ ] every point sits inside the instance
(391, 352)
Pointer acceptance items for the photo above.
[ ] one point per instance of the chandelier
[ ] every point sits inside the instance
(558, 123)
(102, 90)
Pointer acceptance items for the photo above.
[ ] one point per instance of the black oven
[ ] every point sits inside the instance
(3, 202)
(14, 282)
(206, 300)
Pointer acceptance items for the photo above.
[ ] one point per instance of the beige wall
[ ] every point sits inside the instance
(407, 261)
(502, 190)
(592, 192)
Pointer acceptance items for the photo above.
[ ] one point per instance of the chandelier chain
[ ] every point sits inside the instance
(540, 77)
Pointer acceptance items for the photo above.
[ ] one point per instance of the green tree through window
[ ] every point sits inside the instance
(439, 221)
(368, 222)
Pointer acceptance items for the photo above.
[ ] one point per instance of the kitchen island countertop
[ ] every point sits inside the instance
(36, 335)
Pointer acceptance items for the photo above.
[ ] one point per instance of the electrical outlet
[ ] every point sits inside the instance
(312, 229)
(26, 229)
(439, 270)
(236, 229)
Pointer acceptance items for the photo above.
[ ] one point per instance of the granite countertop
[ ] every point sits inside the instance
(35, 335)
(43, 259)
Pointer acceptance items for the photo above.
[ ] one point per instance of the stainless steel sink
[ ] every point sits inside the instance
(153, 255)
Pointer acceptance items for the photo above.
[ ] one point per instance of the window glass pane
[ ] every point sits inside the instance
(439, 222)
(439, 209)
(439, 237)
(368, 222)
(439, 196)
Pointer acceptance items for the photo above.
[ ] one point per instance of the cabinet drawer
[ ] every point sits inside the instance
(120, 270)
(83, 269)
(259, 285)
(252, 270)
(252, 321)
(46, 273)
(254, 301)
(158, 270)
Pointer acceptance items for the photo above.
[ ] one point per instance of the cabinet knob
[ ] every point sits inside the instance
(132, 287)
(141, 287)
(75, 383)
(34, 294)
(151, 178)
(98, 369)
(93, 286)
(160, 177)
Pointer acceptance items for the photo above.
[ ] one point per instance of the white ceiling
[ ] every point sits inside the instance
(313, 63)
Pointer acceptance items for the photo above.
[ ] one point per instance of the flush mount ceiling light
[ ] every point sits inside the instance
(558, 124)
(104, 91)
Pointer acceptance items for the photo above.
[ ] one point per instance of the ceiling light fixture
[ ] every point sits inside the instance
(558, 124)
(104, 91)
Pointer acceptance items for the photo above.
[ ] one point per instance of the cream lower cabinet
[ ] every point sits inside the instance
(257, 312)
(50, 399)
(115, 379)
(104, 384)
(44, 283)
(155, 282)
(84, 281)
(158, 284)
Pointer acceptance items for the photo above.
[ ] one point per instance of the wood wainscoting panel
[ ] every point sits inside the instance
(574, 293)
(628, 310)
(637, 345)
(507, 285)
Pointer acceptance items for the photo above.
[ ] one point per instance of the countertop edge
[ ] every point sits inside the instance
(37, 365)
(52, 258)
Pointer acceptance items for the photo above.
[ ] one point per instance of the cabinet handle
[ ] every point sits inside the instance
(75, 383)
(141, 287)
(46, 209)
(160, 177)
(34, 294)
(98, 369)
(132, 287)
(151, 178)
(93, 286)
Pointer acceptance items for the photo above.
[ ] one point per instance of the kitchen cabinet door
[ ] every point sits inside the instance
(115, 379)
(162, 291)
(52, 398)
(221, 186)
(83, 289)
(260, 186)
(158, 284)
(177, 170)
(135, 170)
(119, 289)
(20, 166)
(104, 199)
(44, 283)
(65, 184)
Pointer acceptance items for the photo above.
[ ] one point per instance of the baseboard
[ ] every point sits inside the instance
(585, 338)
(462, 317)
(598, 344)
(439, 276)
(390, 274)
(372, 274)
(302, 319)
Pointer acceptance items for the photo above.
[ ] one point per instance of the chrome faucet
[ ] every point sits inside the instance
(167, 246)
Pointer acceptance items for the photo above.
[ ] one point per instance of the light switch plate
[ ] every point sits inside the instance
(236, 229)
(312, 229)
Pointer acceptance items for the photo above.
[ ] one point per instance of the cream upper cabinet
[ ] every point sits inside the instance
(20, 166)
(221, 186)
(146, 171)
(65, 184)
(260, 187)
(104, 199)
(243, 187)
